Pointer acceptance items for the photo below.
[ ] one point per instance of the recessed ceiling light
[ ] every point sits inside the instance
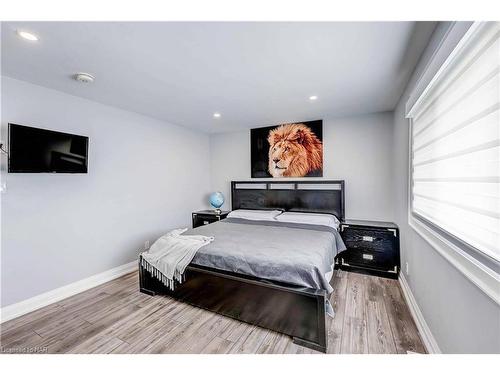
(84, 77)
(216, 115)
(313, 97)
(27, 35)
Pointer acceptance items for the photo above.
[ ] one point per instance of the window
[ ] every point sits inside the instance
(455, 144)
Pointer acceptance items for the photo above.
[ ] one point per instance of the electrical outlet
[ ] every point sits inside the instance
(146, 245)
(407, 269)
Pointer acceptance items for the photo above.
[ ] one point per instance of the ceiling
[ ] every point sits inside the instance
(253, 73)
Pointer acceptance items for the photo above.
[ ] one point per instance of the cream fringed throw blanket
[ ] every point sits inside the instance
(170, 254)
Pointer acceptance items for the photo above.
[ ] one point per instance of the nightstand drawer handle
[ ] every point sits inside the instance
(368, 256)
(368, 238)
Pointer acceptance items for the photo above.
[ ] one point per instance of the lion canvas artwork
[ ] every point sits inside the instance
(288, 150)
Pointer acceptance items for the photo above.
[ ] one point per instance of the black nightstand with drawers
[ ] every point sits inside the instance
(371, 246)
(207, 216)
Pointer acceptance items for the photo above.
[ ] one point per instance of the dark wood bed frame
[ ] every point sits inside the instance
(293, 310)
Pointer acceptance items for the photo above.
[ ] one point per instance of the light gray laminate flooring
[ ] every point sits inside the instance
(371, 317)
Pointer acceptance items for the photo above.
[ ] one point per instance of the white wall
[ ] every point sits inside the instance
(461, 317)
(145, 177)
(356, 149)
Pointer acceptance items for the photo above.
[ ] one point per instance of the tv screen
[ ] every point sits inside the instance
(33, 150)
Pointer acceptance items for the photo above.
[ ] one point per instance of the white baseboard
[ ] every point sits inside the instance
(17, 309)
(424, 330)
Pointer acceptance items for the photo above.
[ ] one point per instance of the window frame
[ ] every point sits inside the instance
(478, 267)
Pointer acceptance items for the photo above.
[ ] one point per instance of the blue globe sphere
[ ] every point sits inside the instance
(216, 199)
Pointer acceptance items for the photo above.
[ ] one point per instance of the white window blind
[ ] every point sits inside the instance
(455, 143)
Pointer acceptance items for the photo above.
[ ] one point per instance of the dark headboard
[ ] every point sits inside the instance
(325, 196)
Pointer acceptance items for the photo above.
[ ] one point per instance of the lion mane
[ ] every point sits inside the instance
(294, 151)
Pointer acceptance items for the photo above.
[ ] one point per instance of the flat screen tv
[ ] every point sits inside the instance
(33, 150)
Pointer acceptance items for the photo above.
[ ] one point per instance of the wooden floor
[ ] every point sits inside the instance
(371, 317)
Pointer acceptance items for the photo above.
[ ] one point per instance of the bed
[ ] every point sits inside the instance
(271, 274)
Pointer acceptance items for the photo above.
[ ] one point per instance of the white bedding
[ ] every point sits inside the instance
(309, 218)
(254, 214)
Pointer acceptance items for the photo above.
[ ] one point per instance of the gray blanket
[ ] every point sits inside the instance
(299, 254)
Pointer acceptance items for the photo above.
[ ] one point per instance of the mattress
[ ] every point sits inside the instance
(298, 254)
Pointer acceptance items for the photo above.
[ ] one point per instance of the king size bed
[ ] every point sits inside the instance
(271, 273)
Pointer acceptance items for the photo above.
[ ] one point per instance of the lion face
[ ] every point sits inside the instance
(282, 155)
(294, 151)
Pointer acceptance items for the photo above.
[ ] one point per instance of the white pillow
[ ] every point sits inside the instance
(309, 218)
(254, 214)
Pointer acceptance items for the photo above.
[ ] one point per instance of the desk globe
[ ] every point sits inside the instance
(217, 200)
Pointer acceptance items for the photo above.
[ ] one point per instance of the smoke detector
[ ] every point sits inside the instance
(84, 77)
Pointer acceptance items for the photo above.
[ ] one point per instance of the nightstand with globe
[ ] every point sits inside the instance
(205, 217)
